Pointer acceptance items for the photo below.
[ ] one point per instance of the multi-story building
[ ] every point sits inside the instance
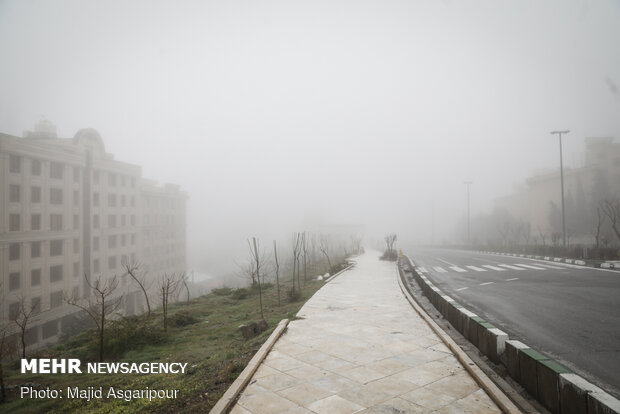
(70, 212)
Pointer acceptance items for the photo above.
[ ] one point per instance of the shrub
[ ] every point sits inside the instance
(223, 291)
(293, 295)
(183, 318)
(240, 293)
(130, 332)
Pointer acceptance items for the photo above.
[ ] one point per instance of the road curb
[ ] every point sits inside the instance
(231, 394)
(545, 379)
(504, 403)
(332, 277)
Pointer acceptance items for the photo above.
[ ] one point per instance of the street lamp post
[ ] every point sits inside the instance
(559, 133)
(468, 183)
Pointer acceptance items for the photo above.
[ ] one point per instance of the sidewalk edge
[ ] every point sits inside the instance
(504, 403)
(224, 403)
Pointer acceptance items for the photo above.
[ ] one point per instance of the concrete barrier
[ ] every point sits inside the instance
(557, 259)
(599, 402)
(548, 376)
(580, 262)
(528, 365)
(496, 343)
(511, 358)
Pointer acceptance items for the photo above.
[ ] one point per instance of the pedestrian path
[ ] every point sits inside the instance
(359, 347)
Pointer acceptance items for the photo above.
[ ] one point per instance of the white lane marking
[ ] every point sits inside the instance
(530, 267)
(439, 269)
(477, 269)
(463, 288)
(512, 278)
(512, 267)
(458, 269)
(494, 268)
(423, 269)
(448, 263)
(486, 283)
(551, 267)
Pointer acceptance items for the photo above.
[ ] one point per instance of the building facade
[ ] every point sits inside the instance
(69, 211)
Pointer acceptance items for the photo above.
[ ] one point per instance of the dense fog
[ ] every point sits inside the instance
(286, 116)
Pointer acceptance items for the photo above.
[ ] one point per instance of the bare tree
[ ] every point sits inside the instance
(504, 230)
(390, 239)
(133, 270)
(257, 258)
(21, 320)
(184, 280)
(599, 225)
(6, 349)
(168, 284)
(542, 234)
(104, 304)
(611, 208)
(277, 268)
(324, 248)
(296, 241)
(304, 248)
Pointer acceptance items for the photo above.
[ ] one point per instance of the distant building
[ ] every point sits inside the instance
(68, 209)
(584, 187)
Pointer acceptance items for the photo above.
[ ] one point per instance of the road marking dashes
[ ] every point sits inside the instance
(422, 269)
(477, 269)
(494, 268)
(439, 269)
(512, 267)
(552, 267)
(463, 288)
(512, 278)
(486, 283)
(530, 267)
(458, 269)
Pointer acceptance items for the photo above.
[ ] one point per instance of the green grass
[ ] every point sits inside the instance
(203, 333)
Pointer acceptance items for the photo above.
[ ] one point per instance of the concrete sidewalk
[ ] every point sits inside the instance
(360, 347)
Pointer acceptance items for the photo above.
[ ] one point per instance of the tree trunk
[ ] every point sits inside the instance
(101, 330)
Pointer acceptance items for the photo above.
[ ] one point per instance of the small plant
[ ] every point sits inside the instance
(239, 294)
(293, 295)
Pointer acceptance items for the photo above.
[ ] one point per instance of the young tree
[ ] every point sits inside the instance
(390, 239)
(296, 252)
(184, 280)
(324, 248)
(103, 306)
(599, 225)
(168, 285)
(133, 270)
(21, 320)
(258, 263)
(305, 249)
(611, 208)
(277, 268)
(542, 234)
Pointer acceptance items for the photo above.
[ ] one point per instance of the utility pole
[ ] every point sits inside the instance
(468, 183)
(559, 133)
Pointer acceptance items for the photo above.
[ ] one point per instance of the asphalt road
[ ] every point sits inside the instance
(570, 313)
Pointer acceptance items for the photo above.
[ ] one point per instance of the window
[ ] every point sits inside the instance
(76, 198)
(111, 220)
(96, 221)
(76, 246)
(35, 277)
(96, 266)
(14, 281)
(35, 222)
(13, 310)
(56, 195)
(35, 194)
(123, 219)
(133, 239)
(123, 240)
(15, 163)
(96, 199)
(14, 222)
(56, 273)
(76, 222)
(14, 193)
(123, 200)
(35, 167)
(111, 242)
(76, 291)
(35, 249)
(76, 174)
(76, 270)
(56, 247)
(111, 200)
(35, 303)
(112, 262)
(95, 243)
(56, 222)
(14, 251)
(56, 299)
(112, 179)
(56, 170)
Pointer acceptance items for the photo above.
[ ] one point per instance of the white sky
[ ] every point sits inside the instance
(354, 111)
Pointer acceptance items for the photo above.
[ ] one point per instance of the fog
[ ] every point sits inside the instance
(275, 116)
